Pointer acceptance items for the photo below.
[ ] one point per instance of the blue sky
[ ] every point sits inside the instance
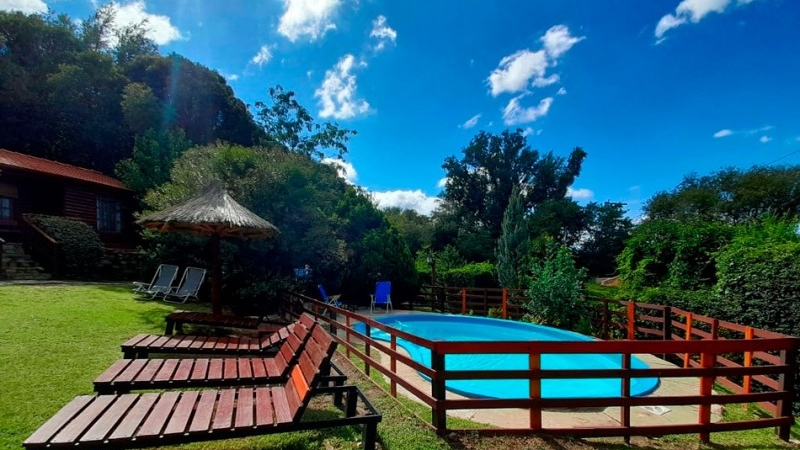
(651, 90)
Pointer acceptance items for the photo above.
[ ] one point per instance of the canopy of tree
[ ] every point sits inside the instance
(68, 95)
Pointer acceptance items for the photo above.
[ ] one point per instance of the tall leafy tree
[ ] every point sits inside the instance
(287, 123)
(607, 229)
(153, 156)
(480, 183)
(416, 229)
(513, 245)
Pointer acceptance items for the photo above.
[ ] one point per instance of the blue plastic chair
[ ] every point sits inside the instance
(382, 296)
(332, 300)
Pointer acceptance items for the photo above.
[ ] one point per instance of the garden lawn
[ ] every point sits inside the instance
(55, 339)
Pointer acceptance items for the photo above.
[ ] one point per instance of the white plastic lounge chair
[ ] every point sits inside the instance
(161, 282)
(382, 296)
(188, 288)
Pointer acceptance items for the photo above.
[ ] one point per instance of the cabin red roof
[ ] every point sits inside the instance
(33, 164)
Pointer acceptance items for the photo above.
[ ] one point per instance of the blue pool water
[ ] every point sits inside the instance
(467, 328)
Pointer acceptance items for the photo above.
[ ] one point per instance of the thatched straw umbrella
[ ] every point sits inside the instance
(212, 213)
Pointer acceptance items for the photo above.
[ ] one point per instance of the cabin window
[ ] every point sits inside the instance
(109, 215)
(6, 208)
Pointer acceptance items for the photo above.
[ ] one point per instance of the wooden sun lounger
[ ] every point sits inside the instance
(156, 419)
(176, 320)
(142, 345)
(131, 374)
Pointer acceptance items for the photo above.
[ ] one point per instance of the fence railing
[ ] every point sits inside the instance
(707, 349)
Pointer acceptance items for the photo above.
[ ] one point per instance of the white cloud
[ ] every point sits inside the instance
(558, 40)
(337, 93)
(471, 122)
(24, 6)
(263, 56)
(159, 28)
(441, 184)
(692, 11)
(514, 113)
(764, 139)
(416, 200)
(561, 91)
(382, 32)
(580, 194)
(528, 131)
(312, 18)
(525, 67)
(723, 133)
(345, 169)
(515, 71)
(230, 76)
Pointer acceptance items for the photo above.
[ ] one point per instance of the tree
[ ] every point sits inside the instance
(96, 30)
(133, 42)
(513, 245)
(287, 123)
(479, 185)
(605, 234)
(416, 229)
(731, 195)
(153, 156)
(555, 291)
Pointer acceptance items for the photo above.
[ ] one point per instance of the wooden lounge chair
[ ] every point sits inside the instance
(176, 319)
(142, 345)
(172, 417)
(132, 374)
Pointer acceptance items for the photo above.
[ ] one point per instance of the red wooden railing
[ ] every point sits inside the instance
(769, 361)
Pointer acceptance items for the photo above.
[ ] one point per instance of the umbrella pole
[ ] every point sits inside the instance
(216, 280)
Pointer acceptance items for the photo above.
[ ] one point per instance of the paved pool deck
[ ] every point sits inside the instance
(574, 418)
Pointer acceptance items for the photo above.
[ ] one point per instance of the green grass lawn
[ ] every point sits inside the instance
(54, 340)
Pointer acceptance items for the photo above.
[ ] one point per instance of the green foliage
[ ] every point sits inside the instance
(598, 290)
(672, 253)
(288, 124)
(513, 245)
(731, 195)
(479, 185)
(381, 254)
(555, 291)
(758, 283)
(153, 155)
(605, 232)
(471, 275)
(80, 246)
(416, 229)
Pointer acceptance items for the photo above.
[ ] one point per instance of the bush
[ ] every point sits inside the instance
(472, 275)
(555, 291)
(759, 286)
(80, 245)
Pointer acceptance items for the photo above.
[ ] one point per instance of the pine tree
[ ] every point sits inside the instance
(512, 246)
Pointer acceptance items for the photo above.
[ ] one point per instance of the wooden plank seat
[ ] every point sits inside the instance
(177, 319)
(175, 417)
(131, 374)
(142, 345)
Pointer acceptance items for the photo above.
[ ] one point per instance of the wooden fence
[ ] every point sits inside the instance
(706, 348)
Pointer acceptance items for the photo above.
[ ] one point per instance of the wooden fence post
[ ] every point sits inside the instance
(631, 320)
(686, 356)
(535, 363)
(367, 330)
(347, 336)
(748, 360)
(464, 301)
(505, 303)
(438, 413)
(625, 410)
(786, 383)
(707, 361)
(393, 365)
(606, 319)
(667, 323)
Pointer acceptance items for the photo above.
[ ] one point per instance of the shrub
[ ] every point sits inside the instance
(472, 275)
(555, 291)
(80, 245)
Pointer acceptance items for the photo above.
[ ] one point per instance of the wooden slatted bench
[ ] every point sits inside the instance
(172, 417)
(130, 374)
(142, 345)
(175, 321)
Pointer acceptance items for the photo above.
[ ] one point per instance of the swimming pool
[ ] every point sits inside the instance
(468, 328)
